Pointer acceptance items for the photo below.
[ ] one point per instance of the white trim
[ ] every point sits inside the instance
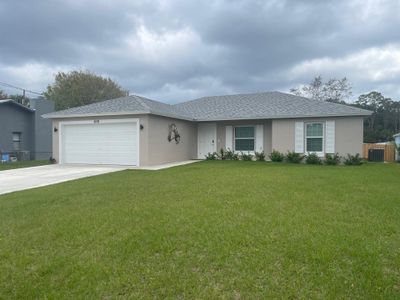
(92, 115)
(50, 116)
(104, 121)
(229, 138)
(330, 136)
(259, 143)
(299, 137)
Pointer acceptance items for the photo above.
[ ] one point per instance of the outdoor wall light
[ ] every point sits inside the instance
(55, 129)
(141, 127)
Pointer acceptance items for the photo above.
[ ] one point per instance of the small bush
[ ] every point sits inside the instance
(332, 159)
(313, 159)
(235, 156)
(222, 154)
(229, 154)
(211, 156)
(293, 157)
(260, 156)
(277, 156)
(246, 156)
(353, 160)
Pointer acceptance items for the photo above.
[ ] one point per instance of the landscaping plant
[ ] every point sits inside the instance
(222, 154)
(246, 156)
(313, 159)
(277, 156)
(332, 159)
(353, 160)
(211, 156)
(260, 156)
(293, 157)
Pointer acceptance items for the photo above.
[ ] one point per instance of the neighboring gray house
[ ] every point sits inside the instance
(137, 131)
(23, 132)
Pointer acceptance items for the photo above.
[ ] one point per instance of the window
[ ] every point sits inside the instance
(314, 137)
(16, 137)
(244, 138)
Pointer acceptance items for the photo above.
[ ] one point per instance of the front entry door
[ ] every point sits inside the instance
(207, 139)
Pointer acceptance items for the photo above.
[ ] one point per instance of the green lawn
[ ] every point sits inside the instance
(215, 229)
(22, 164)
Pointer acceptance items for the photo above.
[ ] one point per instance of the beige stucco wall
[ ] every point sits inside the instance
(221, 132)
(348, 134)
(160, 150)
(154, 147)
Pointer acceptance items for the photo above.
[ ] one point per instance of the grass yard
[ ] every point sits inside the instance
(23, 164)
(215, 229)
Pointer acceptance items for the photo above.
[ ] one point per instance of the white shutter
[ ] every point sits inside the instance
(259, 147)
(229, 138)
(299, 137)
(330, 137)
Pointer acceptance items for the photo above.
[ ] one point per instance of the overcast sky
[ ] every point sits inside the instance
(175, 50)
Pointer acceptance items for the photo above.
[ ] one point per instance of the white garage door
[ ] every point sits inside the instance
(113, 142)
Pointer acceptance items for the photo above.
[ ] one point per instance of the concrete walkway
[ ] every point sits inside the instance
(28, 178)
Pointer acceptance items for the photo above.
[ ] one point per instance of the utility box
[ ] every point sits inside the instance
(376, 155)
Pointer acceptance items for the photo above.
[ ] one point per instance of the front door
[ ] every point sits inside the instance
(207, 139)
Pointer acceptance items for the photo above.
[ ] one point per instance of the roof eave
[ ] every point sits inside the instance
(284, 117)
(12, 102)
(52, 116)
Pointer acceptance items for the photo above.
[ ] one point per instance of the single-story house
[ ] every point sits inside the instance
(137, 131)
(24, 134)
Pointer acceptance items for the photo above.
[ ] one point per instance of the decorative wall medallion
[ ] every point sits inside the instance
(174, 134)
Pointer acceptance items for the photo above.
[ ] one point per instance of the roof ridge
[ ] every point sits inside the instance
(229, 95)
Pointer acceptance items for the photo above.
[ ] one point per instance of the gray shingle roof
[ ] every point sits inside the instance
(122, 106)
(268, 105)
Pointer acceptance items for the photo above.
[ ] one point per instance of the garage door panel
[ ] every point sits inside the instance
(100, 143)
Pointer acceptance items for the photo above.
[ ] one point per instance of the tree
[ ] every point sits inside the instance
(334, 90)
(80, 88)
(385, 119)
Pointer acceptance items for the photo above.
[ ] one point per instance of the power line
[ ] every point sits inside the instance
(19, 88)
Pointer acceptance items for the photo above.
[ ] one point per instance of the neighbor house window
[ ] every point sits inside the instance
(314, 137)
(244, 138)
(16, 141)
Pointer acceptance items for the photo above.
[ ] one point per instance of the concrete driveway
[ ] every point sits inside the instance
(27, 178)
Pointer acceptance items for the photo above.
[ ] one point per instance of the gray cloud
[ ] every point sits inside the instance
(178, 49)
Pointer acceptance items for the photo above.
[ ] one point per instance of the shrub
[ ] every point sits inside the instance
(353, 160)
(332, 159)
(222, 154)
(276, 156)
(246, 156)
(260, 156)
(211, 156)
(235, 156)
(231, 155)
(313, 159)
(294, 157)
